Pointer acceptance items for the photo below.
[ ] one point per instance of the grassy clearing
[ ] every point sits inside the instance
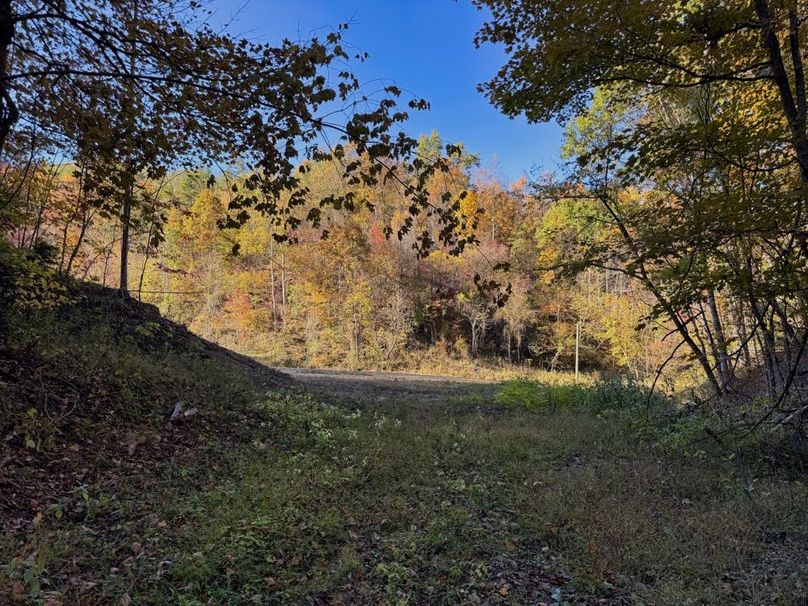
(337, 505)
(517, 493)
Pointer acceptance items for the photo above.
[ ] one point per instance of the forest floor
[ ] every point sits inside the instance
(361, 488)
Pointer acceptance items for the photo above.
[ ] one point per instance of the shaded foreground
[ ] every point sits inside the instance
(362, 489)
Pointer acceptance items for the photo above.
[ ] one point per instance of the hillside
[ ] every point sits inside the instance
(92, 386)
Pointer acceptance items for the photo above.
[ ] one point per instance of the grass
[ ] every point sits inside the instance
(517, 493)
(359, 506)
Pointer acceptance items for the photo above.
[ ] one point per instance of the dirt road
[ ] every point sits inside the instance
(390, 388)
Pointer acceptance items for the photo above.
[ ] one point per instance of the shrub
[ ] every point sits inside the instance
(535, 396)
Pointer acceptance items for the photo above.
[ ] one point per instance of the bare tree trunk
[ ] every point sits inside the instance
(108, 254)
(126, 216)
(724, 367)
(768, 348)
(129, 191)
(145, 262)
(23, 233)
(272, 284)
(789, 337)
(509, 347)
(283, 288)
(63, 245)
(86, 219)
(85, 225)
(40, 218)
(743, 336)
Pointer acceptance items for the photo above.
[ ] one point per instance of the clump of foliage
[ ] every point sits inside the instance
(534, 395)
(28, 280)
(641, 414)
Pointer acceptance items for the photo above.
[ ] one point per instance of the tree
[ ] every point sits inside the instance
(517, 315)
(138, 89)
(561, 50)
(682, 150)
(477, 311)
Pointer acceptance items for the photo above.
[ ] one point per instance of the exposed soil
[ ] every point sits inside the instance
(388, 388)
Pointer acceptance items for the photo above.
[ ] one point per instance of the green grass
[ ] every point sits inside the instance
(355, 506)
(517, 493)
(534, 395)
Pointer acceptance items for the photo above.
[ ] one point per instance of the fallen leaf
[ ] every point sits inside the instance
(18, 591)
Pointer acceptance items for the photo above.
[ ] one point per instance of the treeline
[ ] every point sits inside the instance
(356, 297)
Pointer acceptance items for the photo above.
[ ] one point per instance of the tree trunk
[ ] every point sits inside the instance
(126, 215)
(768, 348)
(85, 225)
(63, 245)
(145, 262)
(793, 99)
(509, 347)
(743, 336)
(108, 254)
(9, 114)
(86, 220)
(129, 191)
(642, 274)
(283, 288)
(272, 284)
(724, 367)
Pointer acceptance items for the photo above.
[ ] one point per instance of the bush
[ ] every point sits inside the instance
(642, 414)
(599, 397)
(623, 394)
(27, 280)
(534, 395)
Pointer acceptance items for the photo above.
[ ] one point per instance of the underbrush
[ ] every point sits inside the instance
(87, 392)
(594, 395)
(651, 418)
(96, 362)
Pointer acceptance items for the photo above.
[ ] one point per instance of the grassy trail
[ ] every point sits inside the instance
(388, 489)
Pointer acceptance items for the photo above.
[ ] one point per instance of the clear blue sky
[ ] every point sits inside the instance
(426, 47)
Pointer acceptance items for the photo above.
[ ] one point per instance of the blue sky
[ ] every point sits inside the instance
(426, 48)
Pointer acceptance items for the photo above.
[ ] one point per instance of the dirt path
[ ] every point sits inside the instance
(389, 387)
